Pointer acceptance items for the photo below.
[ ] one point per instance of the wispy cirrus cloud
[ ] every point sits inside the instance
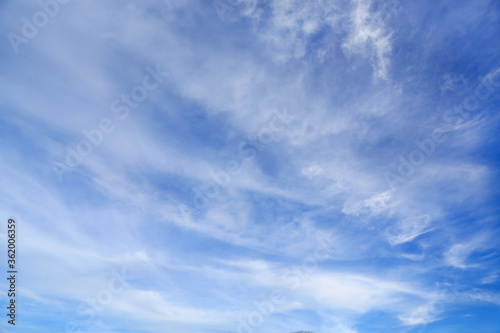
(282, 118)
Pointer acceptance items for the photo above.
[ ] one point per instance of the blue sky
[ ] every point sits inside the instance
(251, 165)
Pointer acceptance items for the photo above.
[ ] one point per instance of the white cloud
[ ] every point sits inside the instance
(424, 314)
(409, 229)
(126, 203)
(370, 37)
(458, 253)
